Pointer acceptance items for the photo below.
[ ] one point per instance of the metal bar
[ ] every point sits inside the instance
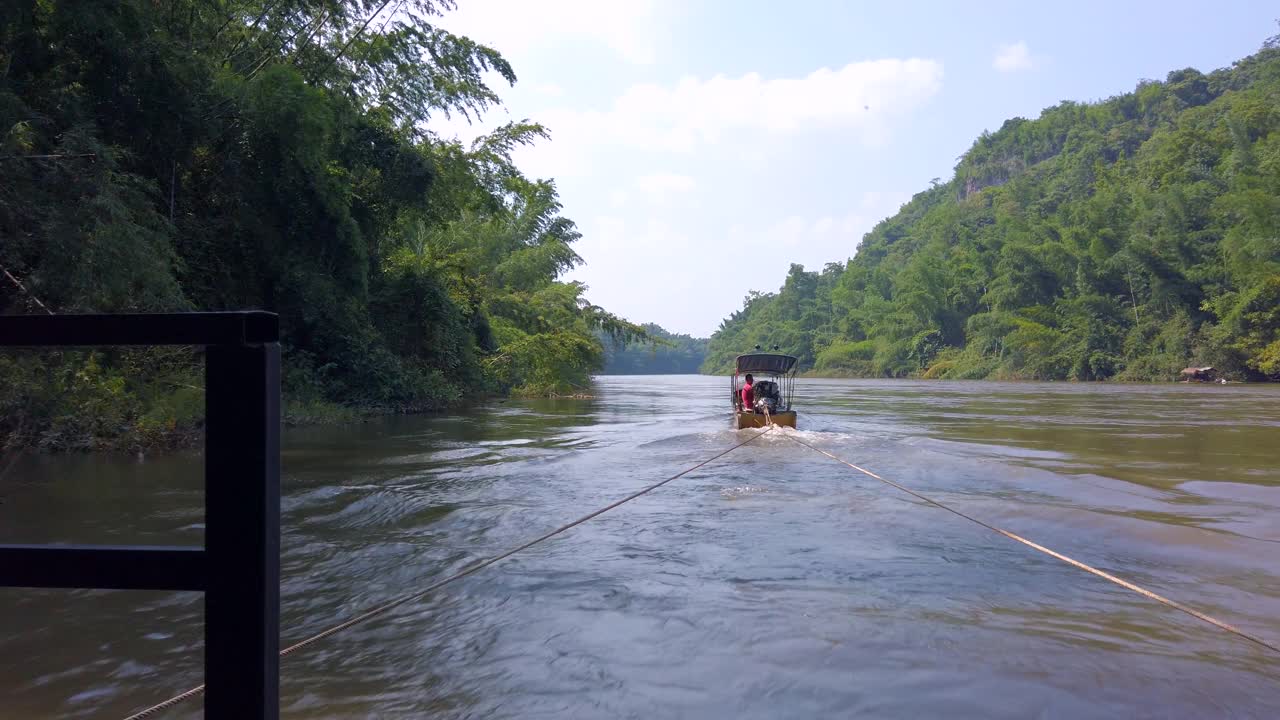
(242, 535)
(214, 328)
(239, 568)
(103, 566)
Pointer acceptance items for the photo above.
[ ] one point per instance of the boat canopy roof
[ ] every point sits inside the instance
(766, 363)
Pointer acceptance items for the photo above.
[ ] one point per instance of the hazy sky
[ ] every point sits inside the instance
(702, 147)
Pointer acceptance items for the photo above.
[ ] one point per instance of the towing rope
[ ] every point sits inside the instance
(1070, 561)
(392, 604)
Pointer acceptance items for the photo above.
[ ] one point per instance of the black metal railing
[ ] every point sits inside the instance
(238, 569)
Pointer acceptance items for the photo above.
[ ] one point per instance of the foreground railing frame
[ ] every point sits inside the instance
(238, 569)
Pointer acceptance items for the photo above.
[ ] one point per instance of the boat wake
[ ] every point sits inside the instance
(718, 437)
(781, 434)
(733, 493)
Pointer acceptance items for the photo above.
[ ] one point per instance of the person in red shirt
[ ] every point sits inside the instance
(748, 395)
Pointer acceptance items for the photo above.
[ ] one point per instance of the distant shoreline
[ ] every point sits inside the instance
(827, 375)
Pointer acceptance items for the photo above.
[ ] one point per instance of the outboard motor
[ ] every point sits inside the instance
(767, 396)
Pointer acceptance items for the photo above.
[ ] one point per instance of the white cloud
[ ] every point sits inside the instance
(862, 98)
(788, 231)
(1012, 58)
(518, 27)
(609, 229)
(831, 238)
(661, 186)
(853, 223)
(859, 94)
(549, 90)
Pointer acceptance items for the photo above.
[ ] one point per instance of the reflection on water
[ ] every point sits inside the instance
(772, 583)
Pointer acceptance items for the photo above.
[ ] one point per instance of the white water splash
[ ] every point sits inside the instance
(741, 491)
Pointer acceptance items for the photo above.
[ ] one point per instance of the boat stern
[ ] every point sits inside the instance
(744, 420)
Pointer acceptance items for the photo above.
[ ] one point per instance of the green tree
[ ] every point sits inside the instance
(1124, 238)
(273, 154)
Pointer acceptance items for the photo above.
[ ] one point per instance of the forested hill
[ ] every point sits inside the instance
(671, 354)
(196, 155)
(1122, 239)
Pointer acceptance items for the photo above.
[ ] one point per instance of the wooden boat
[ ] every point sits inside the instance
(775, 376)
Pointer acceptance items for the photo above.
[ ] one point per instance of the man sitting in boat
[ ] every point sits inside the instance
(748, 395)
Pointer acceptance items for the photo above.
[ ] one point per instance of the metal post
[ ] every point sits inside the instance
(242, 531)
(239, 567)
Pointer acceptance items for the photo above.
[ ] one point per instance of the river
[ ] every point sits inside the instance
(773, 583)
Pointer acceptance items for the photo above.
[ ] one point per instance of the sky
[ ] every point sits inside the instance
(702, 147)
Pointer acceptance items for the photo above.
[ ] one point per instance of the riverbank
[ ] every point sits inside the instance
(147, 435)
(1117, 380)
(161, 432)
(176, 421)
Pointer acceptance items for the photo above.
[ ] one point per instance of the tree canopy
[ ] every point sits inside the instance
(1121, 239)
(229, 154)
(662, 353)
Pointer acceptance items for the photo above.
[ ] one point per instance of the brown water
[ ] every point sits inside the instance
(774, 583)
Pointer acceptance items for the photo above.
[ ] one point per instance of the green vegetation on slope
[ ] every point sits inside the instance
(663, 354)
(272, 154)
(1124, 239)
